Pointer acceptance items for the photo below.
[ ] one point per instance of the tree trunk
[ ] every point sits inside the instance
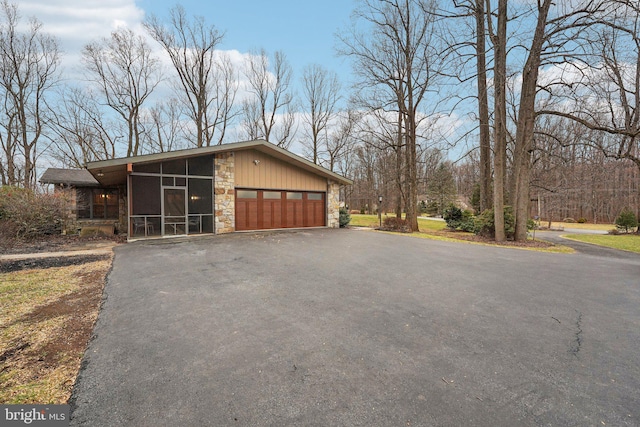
(525, 127)
(483, 109)
(500, 118)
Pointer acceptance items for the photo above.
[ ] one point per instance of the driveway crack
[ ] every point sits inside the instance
(577, 340)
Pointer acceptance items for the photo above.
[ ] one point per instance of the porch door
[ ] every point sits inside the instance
(174, 211)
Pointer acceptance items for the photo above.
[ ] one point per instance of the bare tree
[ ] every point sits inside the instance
(558, 27)
(206, 79)
(80, 132)
(499, 41)
(28, 71)
(397, 59)
(321, 92)
(483, 106)
(163, 128)
(342, 140)
(270, 114)
(473, 15)
(605, 98)
(126, 73)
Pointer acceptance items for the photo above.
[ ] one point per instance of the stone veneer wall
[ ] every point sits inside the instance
(70, 196)
(224, 189)
(122, 226)
(333, 204)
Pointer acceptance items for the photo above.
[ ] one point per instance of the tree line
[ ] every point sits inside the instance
(543, 94)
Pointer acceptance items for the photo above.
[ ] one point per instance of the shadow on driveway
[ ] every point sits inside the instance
(358, 328)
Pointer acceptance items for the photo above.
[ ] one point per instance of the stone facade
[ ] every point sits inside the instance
(224, 189)
(70, 196)
(333, 204)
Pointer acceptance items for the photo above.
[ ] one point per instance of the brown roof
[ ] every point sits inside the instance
(114, 171)
(75, 177)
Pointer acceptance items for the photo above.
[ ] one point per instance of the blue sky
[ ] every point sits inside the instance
(305, 32)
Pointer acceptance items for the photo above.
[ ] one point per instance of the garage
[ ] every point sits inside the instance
(240, 186)
(271, 209)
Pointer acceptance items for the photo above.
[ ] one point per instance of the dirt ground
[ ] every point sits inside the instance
(50, 306)
(460, 235)
(56, 243)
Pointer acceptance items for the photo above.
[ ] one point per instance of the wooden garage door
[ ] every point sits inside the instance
(267, 209)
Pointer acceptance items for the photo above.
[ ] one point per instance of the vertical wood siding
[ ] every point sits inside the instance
(272, 173)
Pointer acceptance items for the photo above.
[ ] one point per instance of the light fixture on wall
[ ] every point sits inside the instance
(256, 162)
(100, 174)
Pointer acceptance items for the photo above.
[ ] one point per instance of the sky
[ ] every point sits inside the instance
(304, 32)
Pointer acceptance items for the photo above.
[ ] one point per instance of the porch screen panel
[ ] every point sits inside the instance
(200, 199)
(145, 195)
(202, 166)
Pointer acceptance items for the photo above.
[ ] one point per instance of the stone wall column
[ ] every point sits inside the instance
(224, 193)
(333, 204)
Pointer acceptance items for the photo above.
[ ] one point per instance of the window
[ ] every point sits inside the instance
(294, 196)
(247, 194)
(314, 196)
(271, 194)
(97, 203)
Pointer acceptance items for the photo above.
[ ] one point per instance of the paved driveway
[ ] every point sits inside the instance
(358, 328)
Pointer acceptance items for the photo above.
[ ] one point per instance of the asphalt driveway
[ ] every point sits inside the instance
(358, 328)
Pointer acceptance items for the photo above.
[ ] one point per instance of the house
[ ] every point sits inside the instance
(251, 185)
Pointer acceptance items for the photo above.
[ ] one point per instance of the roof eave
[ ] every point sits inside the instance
(260, 145)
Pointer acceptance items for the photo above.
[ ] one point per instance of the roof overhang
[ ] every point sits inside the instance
(69, 177)
(114, 172)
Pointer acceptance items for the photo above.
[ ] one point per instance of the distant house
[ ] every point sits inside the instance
(250, 185)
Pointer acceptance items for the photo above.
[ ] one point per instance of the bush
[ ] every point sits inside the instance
(569, 220)
(30, 214)
(457, 219)
(613, 232)
(393, 223)
(345, 217)
(582, 220)
(626, 221)
(452, 216)
(485, 223)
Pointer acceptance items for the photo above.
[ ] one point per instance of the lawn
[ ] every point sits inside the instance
(437, 230)
(585, 226)
(360, 220)
(625, 242)
(46, 319)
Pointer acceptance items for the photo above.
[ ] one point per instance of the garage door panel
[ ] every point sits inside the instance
(246, 214)
(294, 217)
(272, 214)
(315, 214)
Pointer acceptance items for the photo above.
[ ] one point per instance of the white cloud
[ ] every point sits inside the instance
(77, 22)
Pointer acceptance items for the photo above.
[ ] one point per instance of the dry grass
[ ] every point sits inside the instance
(46, 319)
(624, 242)
(577, 226)
(437, 230)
